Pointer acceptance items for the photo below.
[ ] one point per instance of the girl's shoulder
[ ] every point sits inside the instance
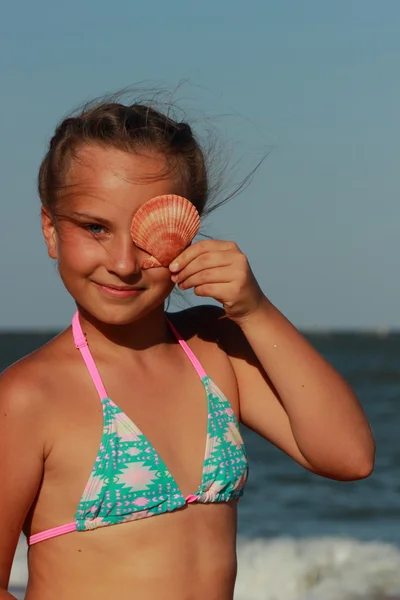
(217, 343)
(198, 326)
(198, 322)
(208, 324)
(205, 327)
(28, 381)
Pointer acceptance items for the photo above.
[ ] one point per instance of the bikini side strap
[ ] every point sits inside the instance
(189, 353)
(82, 345)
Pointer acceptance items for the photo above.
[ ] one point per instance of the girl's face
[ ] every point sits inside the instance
(90, 234)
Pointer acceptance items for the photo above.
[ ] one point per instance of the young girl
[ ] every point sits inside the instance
(121, 457)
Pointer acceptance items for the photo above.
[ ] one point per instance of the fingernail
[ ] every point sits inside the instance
(174, 267)
(174, 277)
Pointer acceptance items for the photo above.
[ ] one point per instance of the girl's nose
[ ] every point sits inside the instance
(124, 259)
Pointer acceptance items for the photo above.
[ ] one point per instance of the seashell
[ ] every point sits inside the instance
(150, 263)
(163, 227)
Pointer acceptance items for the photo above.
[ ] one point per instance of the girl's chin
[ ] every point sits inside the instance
(122, 314)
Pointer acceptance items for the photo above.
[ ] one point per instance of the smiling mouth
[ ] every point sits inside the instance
(118, 290)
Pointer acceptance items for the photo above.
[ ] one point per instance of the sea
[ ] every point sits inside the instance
(302, 537)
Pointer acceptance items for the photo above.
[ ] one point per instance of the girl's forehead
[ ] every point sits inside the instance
(121, 179)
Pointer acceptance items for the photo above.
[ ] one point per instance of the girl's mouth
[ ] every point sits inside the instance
(118, 291)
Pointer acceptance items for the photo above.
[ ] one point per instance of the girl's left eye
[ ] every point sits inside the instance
(94, 228)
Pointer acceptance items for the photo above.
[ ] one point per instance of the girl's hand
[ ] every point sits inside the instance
(221, 271)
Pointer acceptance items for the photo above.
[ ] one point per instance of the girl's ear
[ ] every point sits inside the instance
(49, 233)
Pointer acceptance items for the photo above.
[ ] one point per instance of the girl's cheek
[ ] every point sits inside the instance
(165, 277)
(160, 277)
(78, 253)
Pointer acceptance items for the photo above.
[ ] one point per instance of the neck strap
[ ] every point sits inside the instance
(82, 345)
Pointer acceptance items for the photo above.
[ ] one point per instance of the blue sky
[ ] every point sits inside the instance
(316, 81)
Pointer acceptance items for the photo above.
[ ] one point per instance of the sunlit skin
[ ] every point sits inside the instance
(275, 381)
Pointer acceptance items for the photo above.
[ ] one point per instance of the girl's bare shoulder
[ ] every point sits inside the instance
(198, 323)
(203, 328)
(206, 328)
(29, 381)
(216, 334)
(209, 325)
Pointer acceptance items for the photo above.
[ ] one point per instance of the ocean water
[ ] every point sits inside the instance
(302, 537)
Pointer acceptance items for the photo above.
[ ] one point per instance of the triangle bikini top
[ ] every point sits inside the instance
(129, 479)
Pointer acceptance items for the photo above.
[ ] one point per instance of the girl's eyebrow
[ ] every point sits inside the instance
(80, 215)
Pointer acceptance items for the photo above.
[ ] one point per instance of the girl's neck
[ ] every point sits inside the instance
(138, 336)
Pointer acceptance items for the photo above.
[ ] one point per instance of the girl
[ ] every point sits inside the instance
(122, 460)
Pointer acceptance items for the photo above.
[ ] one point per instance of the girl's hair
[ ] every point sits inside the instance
(131, 128)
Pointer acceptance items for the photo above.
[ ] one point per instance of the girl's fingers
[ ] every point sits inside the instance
(216, 275)
(195, 250)
(208, 260)
(213, 290)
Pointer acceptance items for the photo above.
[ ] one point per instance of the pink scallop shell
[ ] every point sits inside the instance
(164, 226)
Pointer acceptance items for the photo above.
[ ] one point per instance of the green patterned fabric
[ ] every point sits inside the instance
(130, 481)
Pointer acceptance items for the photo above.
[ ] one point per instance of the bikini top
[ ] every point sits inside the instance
(130, 481)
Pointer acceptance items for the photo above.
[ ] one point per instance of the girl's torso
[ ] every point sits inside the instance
(186, 553)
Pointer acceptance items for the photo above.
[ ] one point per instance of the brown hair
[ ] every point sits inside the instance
(129, 128)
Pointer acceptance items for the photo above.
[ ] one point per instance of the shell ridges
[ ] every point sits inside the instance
(163, 227)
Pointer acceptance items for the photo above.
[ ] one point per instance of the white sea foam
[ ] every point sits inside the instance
(19, 572)
(308, 569)
(317, 569)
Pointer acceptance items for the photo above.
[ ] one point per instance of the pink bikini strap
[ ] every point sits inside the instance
(50, 533)
(82, 345)
(189, 353)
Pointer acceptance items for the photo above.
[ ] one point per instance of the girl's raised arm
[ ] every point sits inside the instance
(288, 393)
(21, 461)
(292, 396)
